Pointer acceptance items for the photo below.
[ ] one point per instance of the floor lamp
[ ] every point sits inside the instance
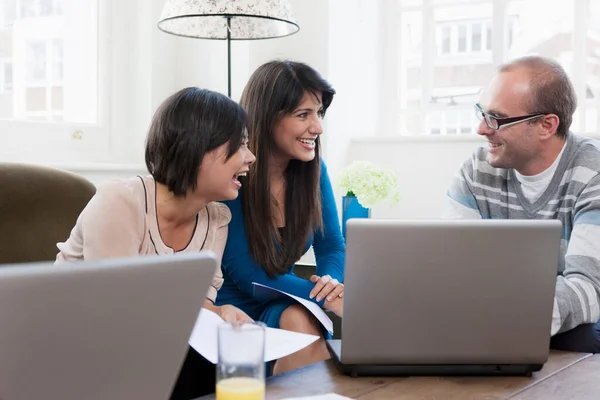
(228, 20)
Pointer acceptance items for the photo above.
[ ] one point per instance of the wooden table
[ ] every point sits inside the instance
(581, 381)
(565, 376)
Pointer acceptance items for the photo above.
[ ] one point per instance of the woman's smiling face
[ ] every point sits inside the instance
(296, 134)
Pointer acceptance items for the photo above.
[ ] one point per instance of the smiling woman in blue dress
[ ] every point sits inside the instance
(286, 204)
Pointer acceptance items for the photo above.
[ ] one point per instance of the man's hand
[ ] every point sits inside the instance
(326, 287)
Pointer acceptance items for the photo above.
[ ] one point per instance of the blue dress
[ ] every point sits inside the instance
(240, 269)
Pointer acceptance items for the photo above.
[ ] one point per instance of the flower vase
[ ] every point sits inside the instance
(351, 208)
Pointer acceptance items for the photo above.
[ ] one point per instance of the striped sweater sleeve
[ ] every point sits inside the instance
(577, 298)
(460, 200)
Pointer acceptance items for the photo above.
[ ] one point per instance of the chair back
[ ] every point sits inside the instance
(38, 208)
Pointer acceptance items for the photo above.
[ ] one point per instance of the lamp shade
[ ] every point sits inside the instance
(249, 19)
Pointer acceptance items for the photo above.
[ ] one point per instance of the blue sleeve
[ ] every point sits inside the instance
(243, 269)
(329, 245)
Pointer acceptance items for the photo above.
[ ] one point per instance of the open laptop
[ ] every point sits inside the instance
(114, 329)
(447, 297)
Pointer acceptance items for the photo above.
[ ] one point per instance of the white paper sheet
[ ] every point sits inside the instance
(278, 343)
(266, 291)
(328, 396)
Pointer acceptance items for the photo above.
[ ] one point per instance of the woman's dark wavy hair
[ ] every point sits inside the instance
(274, 90)
(186, 126)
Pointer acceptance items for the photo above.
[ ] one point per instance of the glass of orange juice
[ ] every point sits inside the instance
(241, 365)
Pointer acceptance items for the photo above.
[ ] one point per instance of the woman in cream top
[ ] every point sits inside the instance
(195, 150)
(121, 220)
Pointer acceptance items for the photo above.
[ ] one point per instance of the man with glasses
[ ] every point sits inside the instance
(533, 167)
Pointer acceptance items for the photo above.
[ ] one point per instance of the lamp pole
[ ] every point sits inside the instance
(229, 56)
(259, 20)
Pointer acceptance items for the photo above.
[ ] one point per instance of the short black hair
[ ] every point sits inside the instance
(186, 126)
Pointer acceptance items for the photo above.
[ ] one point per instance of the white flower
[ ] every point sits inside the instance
(370, 183)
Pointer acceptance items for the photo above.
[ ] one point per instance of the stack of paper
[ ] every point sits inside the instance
(278, 343)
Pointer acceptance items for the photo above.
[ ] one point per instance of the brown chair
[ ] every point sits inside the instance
(38, 208)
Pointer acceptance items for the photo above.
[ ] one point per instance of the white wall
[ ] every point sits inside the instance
(425, 167)
(353, 71)
(136, 72)
(310, 44)
(99, 174)
(345, 40)
(204, 62)
(338, 38)
(144, 66)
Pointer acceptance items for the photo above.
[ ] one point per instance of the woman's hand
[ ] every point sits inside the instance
(326, 287)
(227, 312)
(336, 305)
(231, 313)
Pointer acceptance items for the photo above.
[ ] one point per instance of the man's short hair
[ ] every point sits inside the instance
(551, 89)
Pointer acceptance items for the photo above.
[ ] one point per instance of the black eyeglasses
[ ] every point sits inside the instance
(496, 123)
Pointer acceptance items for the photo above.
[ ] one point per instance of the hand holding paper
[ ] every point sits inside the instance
(278, 343)
(263, 291)
(326, 287)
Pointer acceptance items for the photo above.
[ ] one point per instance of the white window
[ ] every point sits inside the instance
(451, 122)
(449, 50)
(44, 86)
(45, 62)
(51, 49)
(36, 62)
(460, 37)
(8, 12)
(6, 77)
(40, 8)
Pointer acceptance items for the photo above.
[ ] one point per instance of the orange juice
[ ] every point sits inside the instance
(240, 389)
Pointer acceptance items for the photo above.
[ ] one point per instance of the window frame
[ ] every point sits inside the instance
(454, 27)
(501, 26)
(54, 6)
(35, 138)
(4, 87)
(48, 82)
